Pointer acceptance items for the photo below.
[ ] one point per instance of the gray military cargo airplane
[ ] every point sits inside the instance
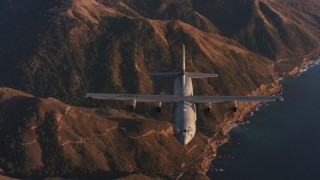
(184, 124)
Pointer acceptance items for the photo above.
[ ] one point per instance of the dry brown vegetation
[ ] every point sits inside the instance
(68, 48)
(114, 142)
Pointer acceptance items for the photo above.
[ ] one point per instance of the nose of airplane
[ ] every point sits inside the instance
(184, 139)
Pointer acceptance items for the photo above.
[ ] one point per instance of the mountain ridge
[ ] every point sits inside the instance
(68, 48)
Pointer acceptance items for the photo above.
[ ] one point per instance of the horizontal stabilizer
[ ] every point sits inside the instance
(166, 74)
(201, 75)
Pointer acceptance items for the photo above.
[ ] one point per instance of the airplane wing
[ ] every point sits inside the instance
(174, 98)
(223, 99)
(136, 97)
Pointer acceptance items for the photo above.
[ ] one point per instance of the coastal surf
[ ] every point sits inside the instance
(282, 140)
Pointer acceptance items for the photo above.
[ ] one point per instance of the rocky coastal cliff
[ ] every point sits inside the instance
(67, 48)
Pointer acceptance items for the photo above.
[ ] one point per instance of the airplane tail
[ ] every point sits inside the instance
(183, 60)
(183, 72)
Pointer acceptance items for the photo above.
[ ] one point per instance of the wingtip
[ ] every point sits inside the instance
(280, 98)
(88, 96)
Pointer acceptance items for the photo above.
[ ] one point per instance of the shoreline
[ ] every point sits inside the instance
(222, 136)
(292, 66)
(306, 67)
(217, 140)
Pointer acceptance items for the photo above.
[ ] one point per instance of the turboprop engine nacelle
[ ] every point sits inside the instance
(208, 107)
(133, 106)
(235, 107)
(158, 108)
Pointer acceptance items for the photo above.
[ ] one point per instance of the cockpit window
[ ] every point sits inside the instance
(186, 130)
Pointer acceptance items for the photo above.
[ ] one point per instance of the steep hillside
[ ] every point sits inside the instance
(276, 29)
(49, 138)
(65, 48)
(88, 46)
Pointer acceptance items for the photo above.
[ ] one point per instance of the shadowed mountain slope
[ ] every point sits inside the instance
(275, 29)
(49, 138)
(90, 46)
(65, 48)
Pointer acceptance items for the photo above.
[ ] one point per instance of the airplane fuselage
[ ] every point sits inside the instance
(184, 122)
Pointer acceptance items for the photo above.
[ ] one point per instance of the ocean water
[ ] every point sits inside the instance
(281, 140)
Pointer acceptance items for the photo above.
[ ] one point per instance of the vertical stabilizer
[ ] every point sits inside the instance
(184, 59)
(183, 73)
